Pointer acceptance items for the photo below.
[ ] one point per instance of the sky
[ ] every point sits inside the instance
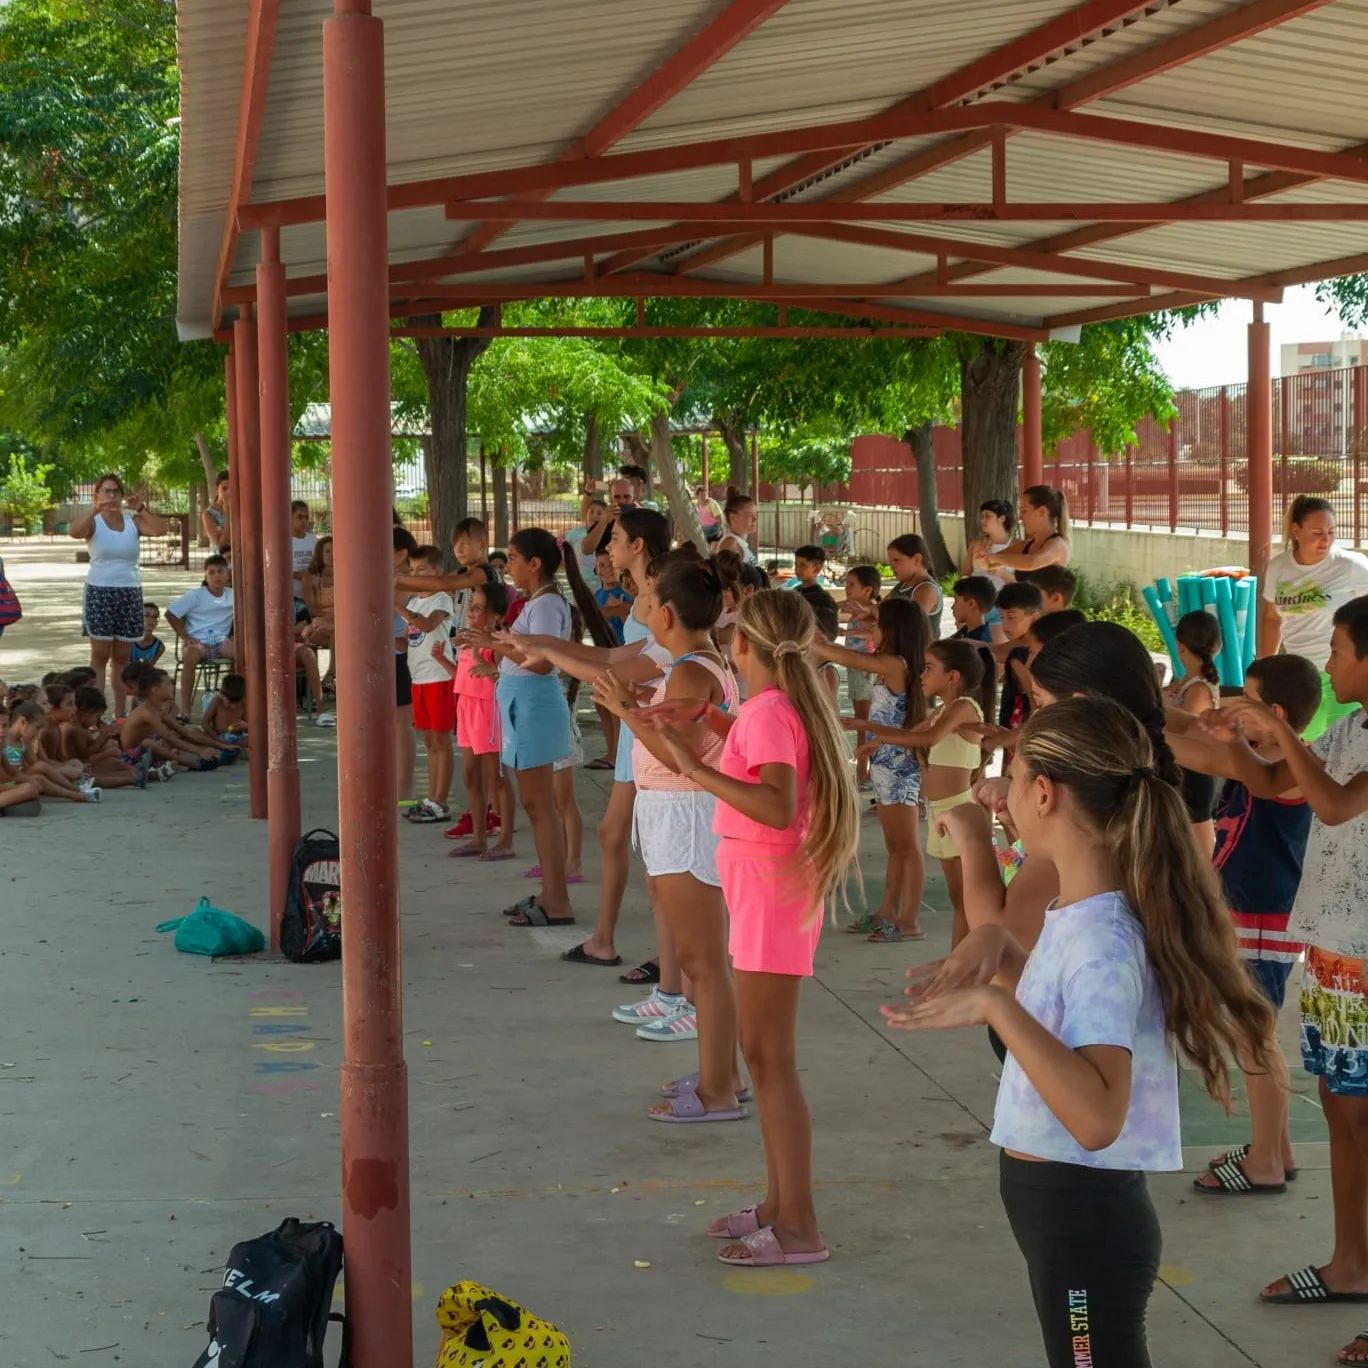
(1212, 351)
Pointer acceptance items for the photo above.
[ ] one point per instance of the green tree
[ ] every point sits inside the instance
(24, 492)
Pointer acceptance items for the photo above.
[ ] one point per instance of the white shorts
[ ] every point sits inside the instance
(673, 831)
(576, 756)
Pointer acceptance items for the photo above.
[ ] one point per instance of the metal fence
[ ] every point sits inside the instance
(1191, 474)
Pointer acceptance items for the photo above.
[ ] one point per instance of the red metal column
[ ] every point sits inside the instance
(1092, 479)
(234, 474)
(1259, 444)
(1032, 452)
(1130, 487)
(246, 497)
(374, 1104)
(282, 774)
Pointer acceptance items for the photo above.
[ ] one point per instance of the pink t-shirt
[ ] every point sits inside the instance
(767, 731)
(467, 684)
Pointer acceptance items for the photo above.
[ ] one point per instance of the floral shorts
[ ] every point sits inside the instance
(1334, 1021)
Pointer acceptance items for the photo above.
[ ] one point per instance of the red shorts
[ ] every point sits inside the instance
(434, 707)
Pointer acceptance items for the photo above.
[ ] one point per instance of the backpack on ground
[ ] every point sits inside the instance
(276, 1301)
(311, 928)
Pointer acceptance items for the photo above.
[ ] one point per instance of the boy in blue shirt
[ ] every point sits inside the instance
(1260, 847)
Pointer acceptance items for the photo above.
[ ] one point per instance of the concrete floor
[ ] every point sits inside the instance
(147, 1125)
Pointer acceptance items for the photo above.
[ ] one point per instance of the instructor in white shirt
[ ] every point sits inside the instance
(1303, 588)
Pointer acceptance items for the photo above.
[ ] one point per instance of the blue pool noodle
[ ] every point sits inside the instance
(1230, 663)
(1251, 626)
(1161, 620)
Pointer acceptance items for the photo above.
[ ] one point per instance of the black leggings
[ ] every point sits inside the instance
(1091, 1243)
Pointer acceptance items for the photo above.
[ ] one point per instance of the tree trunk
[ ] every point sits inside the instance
(922, 441)
(499, 476)
(683, 514)
(446, 365)
(593, 450)
(195, 530)
(733, 434)
(210, 481)
(990, 391)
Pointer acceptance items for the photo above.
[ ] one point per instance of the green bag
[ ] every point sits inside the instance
(209, 930)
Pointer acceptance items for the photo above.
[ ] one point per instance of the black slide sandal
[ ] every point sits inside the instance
(579, 955)
(643, 975)
(536, 916)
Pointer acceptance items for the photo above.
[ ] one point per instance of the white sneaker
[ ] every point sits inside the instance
(93, 795)
(325, 720)
(429, 811)
(166, 771)
(650, 1008)
(85, 783)
(681, 1024)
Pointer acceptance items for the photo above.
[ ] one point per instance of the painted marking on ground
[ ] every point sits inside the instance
(1175, 1275)
(767, 1282)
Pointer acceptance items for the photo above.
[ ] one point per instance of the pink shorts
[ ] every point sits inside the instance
(774, 926)
(477, 724)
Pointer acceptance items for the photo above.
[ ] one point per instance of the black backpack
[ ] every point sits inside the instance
(311, 929)
(276, 1301)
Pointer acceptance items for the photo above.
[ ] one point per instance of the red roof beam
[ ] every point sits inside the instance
(787, 213)
(1298, 275)
(256, 68)
(653, 331)
(1055, 38)
(736, 23)
(1030, 259)
(1159, 57)
(671, 287)
(721, 151)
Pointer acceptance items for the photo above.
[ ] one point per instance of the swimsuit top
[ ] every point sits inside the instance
(933, 615)
(137, 651)
(1027, 547)
(954, 752)
(647, 771)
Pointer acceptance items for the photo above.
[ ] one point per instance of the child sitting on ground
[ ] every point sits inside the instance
(89, 734)
(974, 598)
(151, 648)
(21, 742)
(99, 758)
(225, 719)
(150, 723)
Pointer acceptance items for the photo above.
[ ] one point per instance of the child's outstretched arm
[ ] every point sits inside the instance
(772, 801)
(947, 719)
(1088, 1088)
(1334, 803)
(441, 656)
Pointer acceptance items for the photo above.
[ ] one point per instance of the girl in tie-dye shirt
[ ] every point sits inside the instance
(1136, 963)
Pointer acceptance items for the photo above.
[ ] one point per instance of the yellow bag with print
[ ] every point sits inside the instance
(481, 1329)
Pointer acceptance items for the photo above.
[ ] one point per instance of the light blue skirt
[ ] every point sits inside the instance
(535, 718)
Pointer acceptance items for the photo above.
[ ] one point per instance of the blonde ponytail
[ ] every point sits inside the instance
(780, 627)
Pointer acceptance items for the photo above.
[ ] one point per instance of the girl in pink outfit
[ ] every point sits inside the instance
(788, 816)
(477, 728)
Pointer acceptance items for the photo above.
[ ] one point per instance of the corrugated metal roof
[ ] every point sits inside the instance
(496, 84)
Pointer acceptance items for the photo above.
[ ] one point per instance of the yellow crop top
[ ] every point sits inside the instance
(954, 752)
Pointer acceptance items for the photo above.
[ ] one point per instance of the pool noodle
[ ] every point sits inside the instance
(1161, 620)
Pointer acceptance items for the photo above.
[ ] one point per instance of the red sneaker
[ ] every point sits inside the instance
(466, 825)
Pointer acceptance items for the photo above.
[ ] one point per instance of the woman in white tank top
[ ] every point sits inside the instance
(112, 610)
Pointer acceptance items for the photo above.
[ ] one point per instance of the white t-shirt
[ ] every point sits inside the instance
(423, 669)
(1308, 596)
(1331, 909)
(114, 555)
(546, 615)
(1089, 982)
(302, 549)
(207, 617)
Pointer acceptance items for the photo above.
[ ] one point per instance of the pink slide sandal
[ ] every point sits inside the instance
(688, 1108)
(766, 1252)
(738, 1224)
